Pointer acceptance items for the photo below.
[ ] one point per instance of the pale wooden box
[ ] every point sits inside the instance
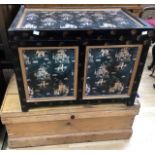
(68, 124)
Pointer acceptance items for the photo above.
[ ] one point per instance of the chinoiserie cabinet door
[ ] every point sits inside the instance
(109, 71)
(49, 73)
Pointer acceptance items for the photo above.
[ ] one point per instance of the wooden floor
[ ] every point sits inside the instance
(143, 128)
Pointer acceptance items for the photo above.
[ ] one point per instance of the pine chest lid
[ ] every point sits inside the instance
(77, 19)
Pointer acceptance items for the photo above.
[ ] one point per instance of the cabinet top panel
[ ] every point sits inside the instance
(77, 19)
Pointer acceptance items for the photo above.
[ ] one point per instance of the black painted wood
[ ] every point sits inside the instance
(81, 38)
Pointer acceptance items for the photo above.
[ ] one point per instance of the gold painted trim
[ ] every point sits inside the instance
(135, 68)
(21, 50)
(132, 76)
(105, 97)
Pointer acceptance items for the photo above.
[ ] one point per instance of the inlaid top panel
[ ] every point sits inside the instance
(58, 19)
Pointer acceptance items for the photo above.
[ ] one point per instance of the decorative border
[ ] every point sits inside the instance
(132, 76)
(21, 50)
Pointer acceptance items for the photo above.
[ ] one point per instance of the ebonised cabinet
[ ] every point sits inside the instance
(78, 56)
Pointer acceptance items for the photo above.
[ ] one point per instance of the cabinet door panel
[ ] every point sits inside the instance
(49, 73)
(110, 71)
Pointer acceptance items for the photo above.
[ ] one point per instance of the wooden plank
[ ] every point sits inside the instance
(68, 126)
(69, 138)
(68, 116)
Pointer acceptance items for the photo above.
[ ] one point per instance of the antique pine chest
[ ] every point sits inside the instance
(78, 56)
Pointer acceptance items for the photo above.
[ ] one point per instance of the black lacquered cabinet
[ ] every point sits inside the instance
(80, 56)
